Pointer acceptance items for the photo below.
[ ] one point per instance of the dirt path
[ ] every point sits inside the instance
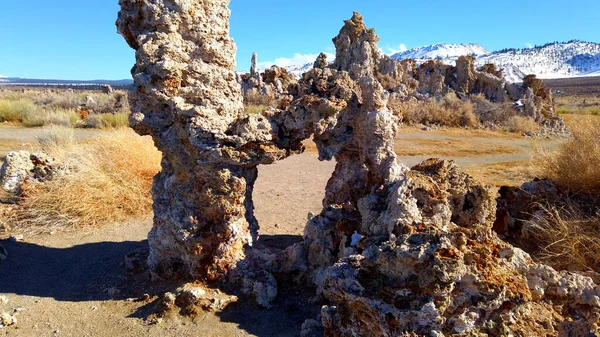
(75, 284)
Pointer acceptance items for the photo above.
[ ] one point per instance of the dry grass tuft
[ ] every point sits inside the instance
(109, 181)
(56, 139)
(518, 124)
(565, 238)
(575, 165)
(509, 173)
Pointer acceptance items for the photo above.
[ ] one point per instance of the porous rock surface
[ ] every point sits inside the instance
(21, 166)
(395, 251)
(14, 170)
(187, 98)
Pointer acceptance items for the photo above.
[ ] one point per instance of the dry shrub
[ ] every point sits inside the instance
(109, 181)
(565, 238)
(116, 120)
(589, 110)
(64, 99)
(491, 113)
(462, 109)
(56, 116)
(101, 103)
(37, 107)
(575, 165)
(255, 97)
(518, 124)
(15, 110)
(447, 111)
(107, 120)
(561, 110)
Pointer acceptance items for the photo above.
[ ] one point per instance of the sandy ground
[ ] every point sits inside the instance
(74, 283)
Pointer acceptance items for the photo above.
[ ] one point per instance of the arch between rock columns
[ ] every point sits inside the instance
(189, 101)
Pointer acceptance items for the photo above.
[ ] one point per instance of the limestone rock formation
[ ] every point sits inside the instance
(14, 170)
(432, 78)
(20, 166)
(321, 61)
(107, 89)
(356, 48)
(465, 75)
(192, 299)
(394, 252)
(188, 100)
(273, 84)
(7, 320)
(253, 65)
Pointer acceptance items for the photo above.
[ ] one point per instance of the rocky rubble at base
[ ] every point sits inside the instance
(394, 252)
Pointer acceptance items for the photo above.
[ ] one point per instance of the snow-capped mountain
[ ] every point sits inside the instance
(553, 60)
(445, 52)
(298, 69)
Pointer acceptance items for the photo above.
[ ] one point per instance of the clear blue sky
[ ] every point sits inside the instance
(77, 39)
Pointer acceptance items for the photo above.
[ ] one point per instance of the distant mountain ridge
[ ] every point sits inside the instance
(442, 51)
(552, 60)
(30, 81)
(574, 58)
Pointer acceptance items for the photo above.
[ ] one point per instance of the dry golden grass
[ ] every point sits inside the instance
(575, 165)
(510, 173)
(565, 238)
(450, 147)
(110, 181)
